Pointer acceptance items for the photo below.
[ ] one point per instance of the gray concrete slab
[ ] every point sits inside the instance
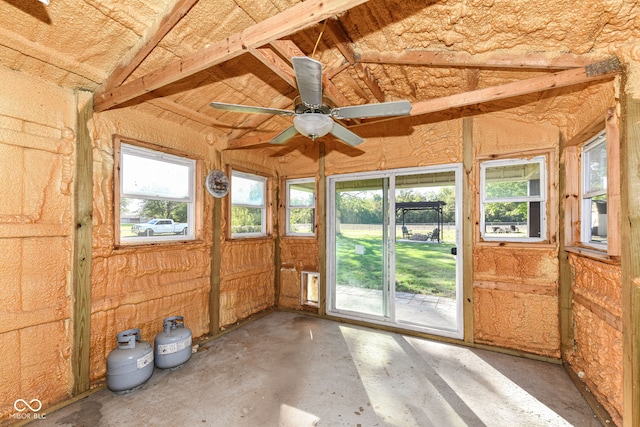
(287, 369)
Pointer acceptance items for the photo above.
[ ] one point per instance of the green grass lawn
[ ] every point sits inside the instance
(125, 230)
(421, 268)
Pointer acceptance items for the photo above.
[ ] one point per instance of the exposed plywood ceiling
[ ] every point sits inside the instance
(171, 58)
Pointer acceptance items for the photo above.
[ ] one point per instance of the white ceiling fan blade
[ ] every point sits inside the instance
(249, 109)
(346, 135)
(384, 109)
(284, 136)
(309, 79)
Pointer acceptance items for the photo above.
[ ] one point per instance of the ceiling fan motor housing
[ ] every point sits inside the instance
(301, 107)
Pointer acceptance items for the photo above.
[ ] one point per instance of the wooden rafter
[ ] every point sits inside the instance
(120, 74)
(344, 45)
(524, 60)
(342, 41)
(370, 81)
(294, 19)
(598, 71)
(252, 140)
(588, 131)
(186, 112)
(278, 65)
(336, 68)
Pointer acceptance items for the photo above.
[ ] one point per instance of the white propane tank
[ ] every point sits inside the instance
(173, 345)
(130, 364)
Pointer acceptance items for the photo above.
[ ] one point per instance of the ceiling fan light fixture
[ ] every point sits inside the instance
(313, 125)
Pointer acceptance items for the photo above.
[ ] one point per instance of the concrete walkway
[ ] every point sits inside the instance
(417, 309)
(287, 369)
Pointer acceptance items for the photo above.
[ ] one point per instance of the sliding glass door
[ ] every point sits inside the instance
(360, 231)
(392, 243)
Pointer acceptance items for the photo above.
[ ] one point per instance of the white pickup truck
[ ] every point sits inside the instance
(159, 226)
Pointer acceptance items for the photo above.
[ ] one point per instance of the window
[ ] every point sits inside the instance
(157, 197)
(513, 199)
(301, 203)
(594, 192)
(248, 205)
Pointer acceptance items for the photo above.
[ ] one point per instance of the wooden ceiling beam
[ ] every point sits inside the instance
(589, 131)
(278, 65)
(253, 140)
(294, 19)
(287, 48)
(339, 66)
(345, 46)
(122, 71)
(370, 81)
(341, 39)
(597, 71)
(187, 112)
(523, 60)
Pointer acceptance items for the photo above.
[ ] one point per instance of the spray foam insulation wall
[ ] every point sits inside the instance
(516, 299)
(597, 313)
(247, 273)
(137, 287)
(247, 285)
(400, 146)
(36, 219)
(297, 255)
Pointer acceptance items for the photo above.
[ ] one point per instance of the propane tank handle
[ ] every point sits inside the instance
(172, 323)
(128, 338)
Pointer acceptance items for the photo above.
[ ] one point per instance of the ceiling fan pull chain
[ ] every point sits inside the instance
(319, 37)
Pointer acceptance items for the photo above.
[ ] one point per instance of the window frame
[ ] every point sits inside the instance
(127, 146)
(265, 225)
(542, 198)
(587, 195)
(572, 241)
(289, 206)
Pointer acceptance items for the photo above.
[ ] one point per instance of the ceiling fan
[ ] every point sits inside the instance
(313, 113)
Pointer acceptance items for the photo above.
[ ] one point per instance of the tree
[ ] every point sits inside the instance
(165, 209)
(301, 217)
(124, 204)
(246, 220)
(506, 211)
(359, 208)
(447, 195)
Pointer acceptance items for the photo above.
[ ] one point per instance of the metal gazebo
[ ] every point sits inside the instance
(437, 206)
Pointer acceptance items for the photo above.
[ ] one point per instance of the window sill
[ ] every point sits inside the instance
(300, 236)
(541, 244)
(248, 238)
(593, 254)
(154, 246)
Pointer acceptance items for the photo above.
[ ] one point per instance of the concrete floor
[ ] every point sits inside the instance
(286, 369)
